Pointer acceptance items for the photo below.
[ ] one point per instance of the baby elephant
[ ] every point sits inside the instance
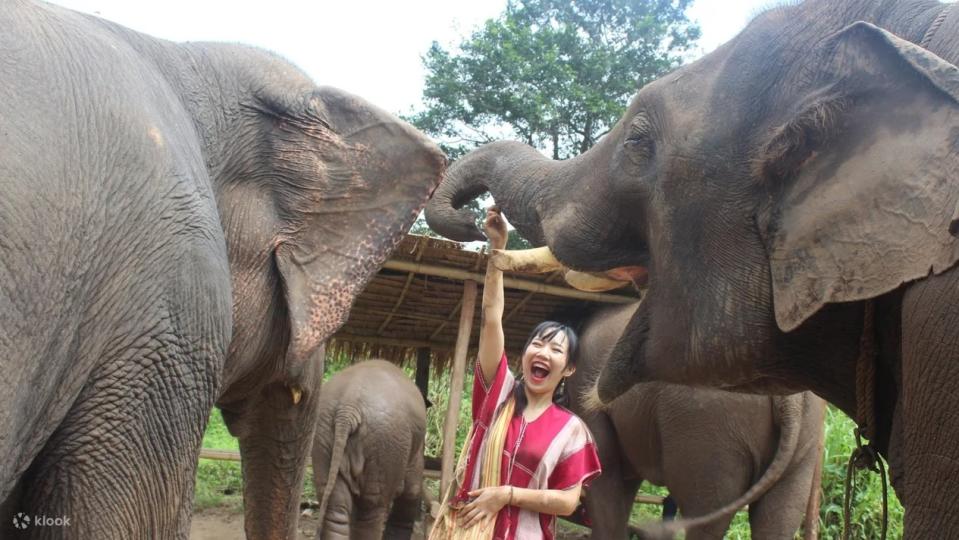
(368, 453)
(706, 446)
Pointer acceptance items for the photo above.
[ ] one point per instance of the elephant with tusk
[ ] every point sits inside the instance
(182, 225)
(793, 196)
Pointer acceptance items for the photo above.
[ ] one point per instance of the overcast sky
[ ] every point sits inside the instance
(367, 47)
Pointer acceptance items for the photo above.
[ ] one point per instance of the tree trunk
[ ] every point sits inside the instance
(587, 141)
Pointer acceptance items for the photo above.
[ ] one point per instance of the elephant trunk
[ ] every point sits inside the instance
(554, 203)
(275, 433)
(789, 412)
(516, 175)
(345, 421)
(624, 366)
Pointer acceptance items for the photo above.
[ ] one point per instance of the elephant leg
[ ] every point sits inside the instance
(369, 522)
(711, 531)
(407, 507)
(701, 482)
(403, 515)
(779, 512)
(275, 429)
(123, 462)
(609, 499)
(336, 524)
(930, 408)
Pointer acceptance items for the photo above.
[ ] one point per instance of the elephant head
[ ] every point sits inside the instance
(807, 164)
(315, 187)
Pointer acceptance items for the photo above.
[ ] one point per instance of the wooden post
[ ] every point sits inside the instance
(456, 384)
(423, 373)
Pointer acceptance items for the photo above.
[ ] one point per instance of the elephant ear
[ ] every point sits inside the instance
(863, 174)
(349, 200)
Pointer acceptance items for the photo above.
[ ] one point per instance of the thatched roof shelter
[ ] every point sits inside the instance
(414, 308)
(414, 302)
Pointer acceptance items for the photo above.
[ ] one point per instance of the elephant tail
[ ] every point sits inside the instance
(345, 421)
(790, 411)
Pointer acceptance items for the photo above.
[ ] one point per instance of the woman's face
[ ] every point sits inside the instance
(544, 363)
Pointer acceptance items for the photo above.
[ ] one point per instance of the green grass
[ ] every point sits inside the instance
(219, 483)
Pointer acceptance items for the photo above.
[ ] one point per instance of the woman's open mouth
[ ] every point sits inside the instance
(539, 371)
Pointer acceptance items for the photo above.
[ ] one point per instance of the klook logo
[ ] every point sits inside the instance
(22, 521)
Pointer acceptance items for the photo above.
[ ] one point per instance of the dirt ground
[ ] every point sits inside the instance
(226, 524)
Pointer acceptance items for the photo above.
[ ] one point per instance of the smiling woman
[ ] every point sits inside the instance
(527, 458)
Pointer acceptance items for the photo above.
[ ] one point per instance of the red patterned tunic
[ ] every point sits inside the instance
(554, 451)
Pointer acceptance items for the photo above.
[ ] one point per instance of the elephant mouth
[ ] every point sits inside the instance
(541, 260)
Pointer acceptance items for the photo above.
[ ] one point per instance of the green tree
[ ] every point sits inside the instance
(556, 74)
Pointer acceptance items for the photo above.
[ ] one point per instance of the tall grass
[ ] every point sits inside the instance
(219, 483)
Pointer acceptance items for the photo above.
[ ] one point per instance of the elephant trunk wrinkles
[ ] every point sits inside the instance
(345, 422)
(275, 437)
(516, 175)
(789, 411)
(272, 488)
(278, 480)
(624, 367)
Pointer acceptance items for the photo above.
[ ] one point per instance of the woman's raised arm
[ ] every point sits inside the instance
(491, 340)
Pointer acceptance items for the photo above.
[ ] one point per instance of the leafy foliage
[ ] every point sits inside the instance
(553, 73)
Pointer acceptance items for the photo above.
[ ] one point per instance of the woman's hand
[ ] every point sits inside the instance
(486, 503)
(495, 228)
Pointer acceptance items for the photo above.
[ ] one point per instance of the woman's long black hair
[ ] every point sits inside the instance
(546, 330)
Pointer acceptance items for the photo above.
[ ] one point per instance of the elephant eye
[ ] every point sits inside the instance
(639, 140)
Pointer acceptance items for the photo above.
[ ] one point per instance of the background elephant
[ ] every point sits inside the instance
(182, 224)
(368, 453)
(706, 446)
(791, 196)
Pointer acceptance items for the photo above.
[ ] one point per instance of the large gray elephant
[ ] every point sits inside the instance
(181, 225)
(368, 453)
(791, 196)
(708, 447)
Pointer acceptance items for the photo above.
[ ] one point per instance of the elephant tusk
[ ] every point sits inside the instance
(586, 281)
(530, 261)
(297, 394)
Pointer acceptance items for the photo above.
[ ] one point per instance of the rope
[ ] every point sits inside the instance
(934, 27)
(866, 375)
(865, 456)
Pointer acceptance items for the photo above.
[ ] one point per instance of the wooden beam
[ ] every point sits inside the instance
(448, 319)
(392, 342)
(508, 282)
(420, 244)
(219, 455)
(411, 316)
(456, 383)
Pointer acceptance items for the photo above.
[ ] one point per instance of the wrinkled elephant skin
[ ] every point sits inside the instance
(706, 446)
(182, 225)
(792, 195)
